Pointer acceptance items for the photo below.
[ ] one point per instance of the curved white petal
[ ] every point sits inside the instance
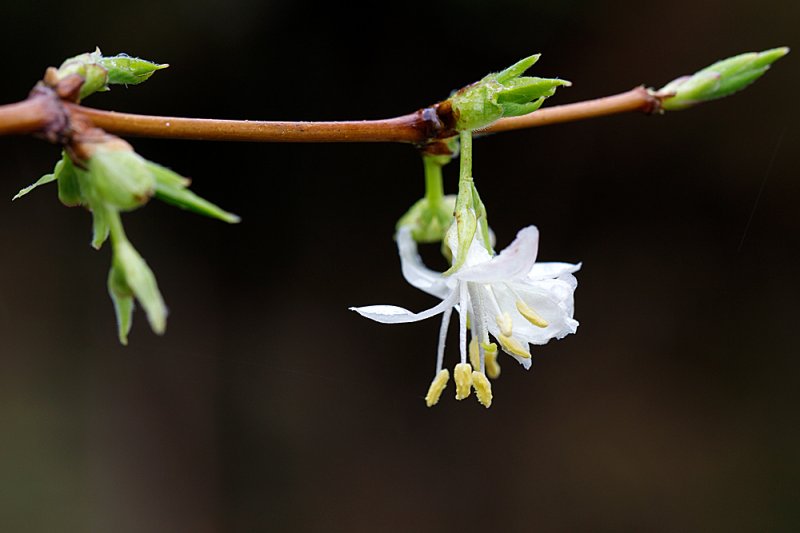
(415, 271)
(391, 314)
(552, 270)
(514, 262)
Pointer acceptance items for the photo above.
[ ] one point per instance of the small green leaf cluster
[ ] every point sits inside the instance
(116, 179)
(502, 94)
(104, 174)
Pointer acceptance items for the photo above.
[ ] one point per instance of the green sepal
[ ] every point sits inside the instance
(122, 297)
(721, 79)
(47, 178)
(172, 189)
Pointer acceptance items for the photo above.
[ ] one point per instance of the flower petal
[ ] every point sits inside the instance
(415, 271)
(391, 314)
(552, 270)
(514, 262)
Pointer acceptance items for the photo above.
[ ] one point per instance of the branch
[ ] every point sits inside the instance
(41, 112)
(29, 116)
(638, 99)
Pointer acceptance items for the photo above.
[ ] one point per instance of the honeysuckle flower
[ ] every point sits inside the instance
(509, 297)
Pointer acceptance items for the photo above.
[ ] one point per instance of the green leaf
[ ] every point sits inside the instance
(122, 297)
(140, 279)
(120, 177)
(504, 94)
(99, 71)
(47, 178)
(100, 225)
(126, 70)
(172, 189)
(721, 79)
(69, 189)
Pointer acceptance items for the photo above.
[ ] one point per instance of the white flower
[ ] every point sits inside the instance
(509, 296)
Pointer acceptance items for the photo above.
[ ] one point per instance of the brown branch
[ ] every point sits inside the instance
(29, 116)
(408, 128)
(638, 99)
(43, 113)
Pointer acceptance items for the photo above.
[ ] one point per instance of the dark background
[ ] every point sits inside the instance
(268, 406)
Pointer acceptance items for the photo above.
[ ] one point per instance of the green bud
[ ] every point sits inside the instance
(98, 71)
(429, 220)
(95, 77)
(504, 94)
(119, 176)
(131, 275)
(171, 188)
(720, 79)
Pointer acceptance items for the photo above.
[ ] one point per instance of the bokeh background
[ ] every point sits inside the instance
(268, 406)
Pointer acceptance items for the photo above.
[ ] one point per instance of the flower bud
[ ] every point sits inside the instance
(720, 79)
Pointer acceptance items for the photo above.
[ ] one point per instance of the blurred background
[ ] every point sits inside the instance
(268, 406)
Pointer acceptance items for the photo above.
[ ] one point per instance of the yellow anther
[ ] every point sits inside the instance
(530, 315)
(483, 388)
(437, 386)
(462, 374)
(490, 360)
(474, 354)
(505, 323)
(513, 346)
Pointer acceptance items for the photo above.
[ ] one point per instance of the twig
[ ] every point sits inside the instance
(41, 112)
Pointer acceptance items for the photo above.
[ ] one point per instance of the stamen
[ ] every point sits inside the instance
(530, 315)
(462, 374)
(505, 323)
(442, 338)
(437, 386)
(474, 353)
(492, 366)
(483, 388)
(462, 311)
(513, 346)
(479, 329)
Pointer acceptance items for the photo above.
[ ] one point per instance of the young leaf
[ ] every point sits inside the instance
(122, 297)
(172, 189)
(47, 178)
